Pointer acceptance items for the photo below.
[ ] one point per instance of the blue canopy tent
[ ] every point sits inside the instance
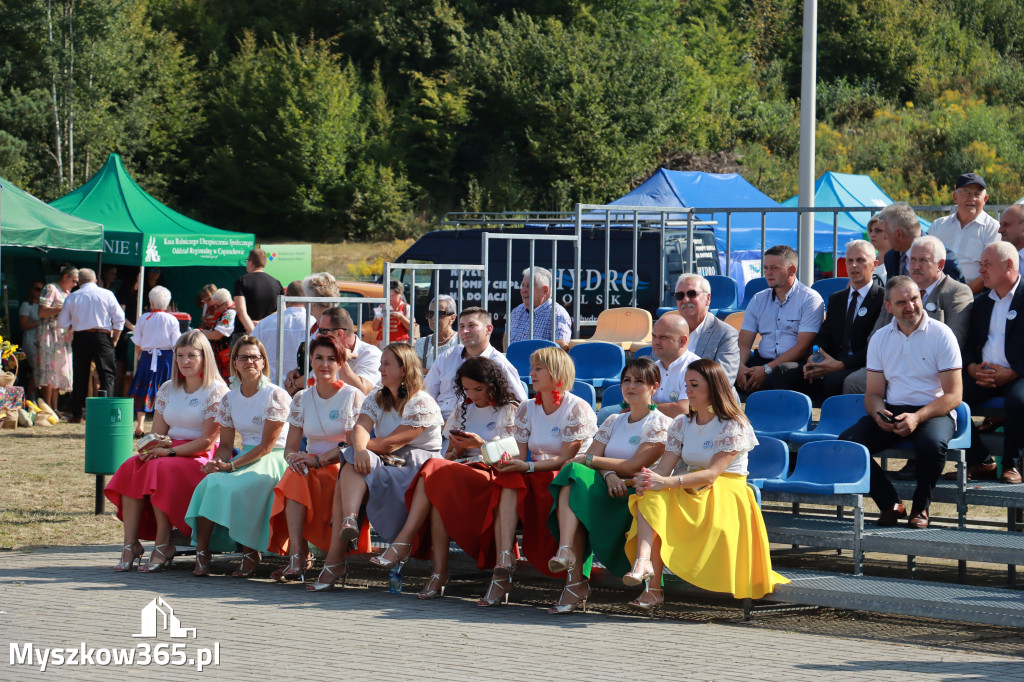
(844, 189)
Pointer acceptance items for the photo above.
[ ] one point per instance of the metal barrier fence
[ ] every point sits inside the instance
(436, 268)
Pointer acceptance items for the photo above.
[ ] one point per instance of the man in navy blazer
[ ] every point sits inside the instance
(902, 227)
(849, 319)
(994, 359)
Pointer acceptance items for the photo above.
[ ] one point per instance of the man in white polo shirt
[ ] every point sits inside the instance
(787, 315)
(914, 384)
(1011, 227)
(968, 230)
(475, 334)
(669, 343)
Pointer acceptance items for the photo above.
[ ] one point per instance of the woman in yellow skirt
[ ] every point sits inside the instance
(694, 512)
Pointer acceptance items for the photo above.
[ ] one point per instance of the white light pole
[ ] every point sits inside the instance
(808, 90)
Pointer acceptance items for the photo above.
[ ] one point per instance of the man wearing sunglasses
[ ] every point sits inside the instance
(361, 365)
(787, 315)
(710, 337)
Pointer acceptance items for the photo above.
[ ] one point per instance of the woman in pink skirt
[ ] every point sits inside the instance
(152, 489)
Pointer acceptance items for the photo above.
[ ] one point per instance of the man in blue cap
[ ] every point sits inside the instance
(968, 230)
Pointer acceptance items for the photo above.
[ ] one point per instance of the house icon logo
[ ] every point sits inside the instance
(158, 615)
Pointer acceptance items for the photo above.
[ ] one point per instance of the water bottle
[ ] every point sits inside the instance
(817, 356)
(395, 580)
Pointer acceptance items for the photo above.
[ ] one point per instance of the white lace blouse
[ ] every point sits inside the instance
(324, 423)
(421, 411)
(247, 415)
(185, 413)
(545, 433)
(489, 423)
(621, 439)
(697, 445)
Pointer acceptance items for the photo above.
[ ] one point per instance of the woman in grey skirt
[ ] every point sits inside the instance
(377, 471)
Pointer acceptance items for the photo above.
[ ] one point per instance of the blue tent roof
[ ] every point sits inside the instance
(713, 190)
(844, 189)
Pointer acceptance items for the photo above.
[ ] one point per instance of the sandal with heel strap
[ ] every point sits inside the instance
(558, 563)
(202, 568)
(295, 570)
(319, 586)
(254, 558)
(397, 561)
(439, 583)
(136, 556)
(580, 602)
(502, 598)
(648, 607)
(502, 569)
(636, 575)
(349, 528)
(157, 566)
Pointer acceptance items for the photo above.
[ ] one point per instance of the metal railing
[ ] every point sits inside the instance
(436, 268)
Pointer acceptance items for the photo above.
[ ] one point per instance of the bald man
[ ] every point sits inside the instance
(1011, 227)
(669, 341)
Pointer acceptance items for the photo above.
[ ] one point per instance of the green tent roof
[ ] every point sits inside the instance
(139, 230)
(27, 221)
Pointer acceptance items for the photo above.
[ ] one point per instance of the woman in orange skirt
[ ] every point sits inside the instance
(325, 414)
(552, 429)
(486, 411)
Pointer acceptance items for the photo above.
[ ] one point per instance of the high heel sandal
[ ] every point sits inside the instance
(581, 600)
(503, 570)
(124, 566)
(557, 563)
(295, 570)
(435, 578)
(157, 566)
(650, 608)
(242, 572)
(319, 586)
(349, 530)
(398, 560)
(202, 568)
(502, 597)
(636, 576)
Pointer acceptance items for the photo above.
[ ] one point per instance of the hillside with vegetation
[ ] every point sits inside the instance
(342, 120)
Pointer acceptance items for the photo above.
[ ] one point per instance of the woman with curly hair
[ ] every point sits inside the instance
(486, 411)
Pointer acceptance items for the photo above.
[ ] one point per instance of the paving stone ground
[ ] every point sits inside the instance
(62, 597)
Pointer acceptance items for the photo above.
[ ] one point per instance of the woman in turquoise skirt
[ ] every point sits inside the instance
(232, 505)
(591, 513)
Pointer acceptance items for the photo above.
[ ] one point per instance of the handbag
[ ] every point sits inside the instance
(499, 449)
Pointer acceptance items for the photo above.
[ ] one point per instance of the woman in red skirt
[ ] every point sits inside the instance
(552, 429)
(152, 489)
(486, 411)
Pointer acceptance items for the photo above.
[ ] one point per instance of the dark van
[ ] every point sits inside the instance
(464, 246)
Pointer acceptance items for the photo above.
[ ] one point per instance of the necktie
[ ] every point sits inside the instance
(851, 312)
(904, 268)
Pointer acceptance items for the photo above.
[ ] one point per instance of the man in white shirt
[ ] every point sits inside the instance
(710, 337)
(968, 230)
(361, 365)
(1011, 227)
(914, 385)
(787, 315)
(96, 319)
(474, 333)
(669, 342)
(296, 330)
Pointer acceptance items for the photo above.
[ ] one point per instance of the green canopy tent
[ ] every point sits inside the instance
(141, 231)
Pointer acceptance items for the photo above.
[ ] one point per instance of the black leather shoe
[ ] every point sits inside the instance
(1011, 475)
(986, 471)
(918, 519)
(907, 473)
(889, 517)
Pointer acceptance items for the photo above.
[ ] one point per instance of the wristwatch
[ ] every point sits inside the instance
(172, 453)
(767, 370)
(589, 460)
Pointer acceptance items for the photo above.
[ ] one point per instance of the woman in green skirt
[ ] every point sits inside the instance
(591, 514)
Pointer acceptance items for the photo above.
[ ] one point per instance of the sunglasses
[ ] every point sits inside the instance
(691, 294)
(328, 330)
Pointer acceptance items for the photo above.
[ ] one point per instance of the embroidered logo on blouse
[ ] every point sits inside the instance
(707, 444)
(193, 402)
(333, 415)
(554, 430)
(633, 440)
(673, 396)
(491, 425)
(257, 420)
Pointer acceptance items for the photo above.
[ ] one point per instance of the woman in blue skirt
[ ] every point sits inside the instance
(155, 334)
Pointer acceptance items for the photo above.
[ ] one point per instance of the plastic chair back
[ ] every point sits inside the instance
(725, 293)
(519, 353)
(778, 413)
(598, 363)
(769, 460)
(606, 412)
(626, 327)
(648, 351)
(827, 287)
(612, 395)
(587, 392)
(828, 467)
(752, 287)
(838, 413)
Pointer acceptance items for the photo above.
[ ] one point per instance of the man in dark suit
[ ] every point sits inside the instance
(902, 227)
(849, 319)
(994, 359)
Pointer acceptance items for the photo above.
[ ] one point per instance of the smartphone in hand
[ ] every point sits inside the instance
(888, 418)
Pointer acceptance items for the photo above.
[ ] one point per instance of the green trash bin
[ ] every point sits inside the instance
(109, 429)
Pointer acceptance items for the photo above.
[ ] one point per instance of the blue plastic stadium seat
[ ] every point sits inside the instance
(606, 412)
(830, 285)
(828, 467)
(752, 287)
(666, 309)
(725, 293)
(757, 492)
(778, 413)
(612, 395)
(647, 351)
(838, 413)
(598, 363)
(587, 392)
(768, 461)
(519, 353)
